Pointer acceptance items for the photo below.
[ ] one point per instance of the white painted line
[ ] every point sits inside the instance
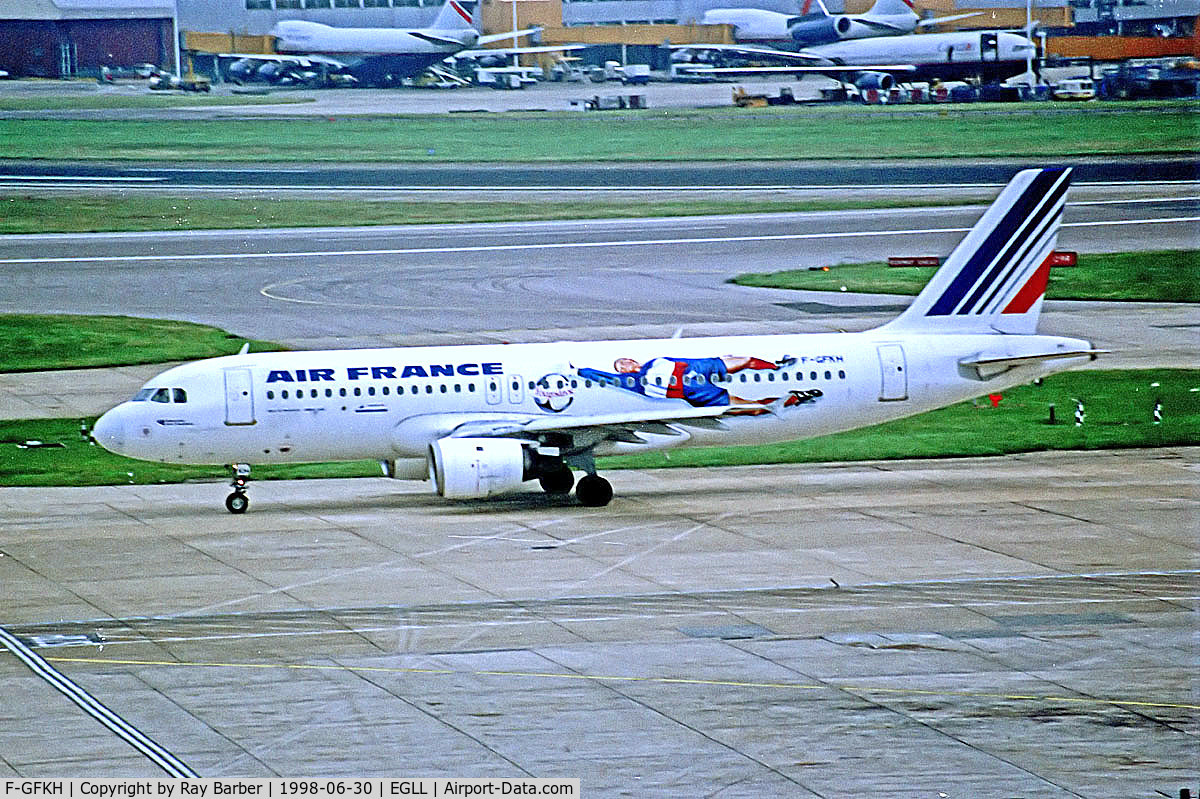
(1138, 200)
(566, 245)
(86, 178)
(168, 762)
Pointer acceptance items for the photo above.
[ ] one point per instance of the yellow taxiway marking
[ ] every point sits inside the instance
(649, 680)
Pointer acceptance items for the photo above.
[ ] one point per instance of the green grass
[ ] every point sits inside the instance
(102, 100)
(1156, 276)
(30, 342)
(667, 135)
(79, 463)
(1118, 406)
(91, 213)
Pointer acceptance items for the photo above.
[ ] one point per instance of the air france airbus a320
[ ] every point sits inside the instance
(482, 420)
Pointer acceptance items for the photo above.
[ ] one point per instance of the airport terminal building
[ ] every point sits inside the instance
(65, 38)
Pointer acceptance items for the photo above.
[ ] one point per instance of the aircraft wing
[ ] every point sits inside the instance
(558, 48)
(795, 62)
(748, 52)
(926, 23)
(621, 426)
(822, 69)
(298, 60)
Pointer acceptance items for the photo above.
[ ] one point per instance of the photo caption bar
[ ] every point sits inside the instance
(212, 787)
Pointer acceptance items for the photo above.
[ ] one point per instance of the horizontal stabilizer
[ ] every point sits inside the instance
(441, 41)
(928, 23)
(501, 37)
(990, 366)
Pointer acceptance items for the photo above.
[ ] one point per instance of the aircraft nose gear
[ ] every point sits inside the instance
(237, 502)
(594, 491)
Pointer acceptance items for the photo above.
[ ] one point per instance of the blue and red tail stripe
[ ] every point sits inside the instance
(1020, 232)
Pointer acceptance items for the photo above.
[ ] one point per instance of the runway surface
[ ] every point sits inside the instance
(1018, 626)
(714, 176)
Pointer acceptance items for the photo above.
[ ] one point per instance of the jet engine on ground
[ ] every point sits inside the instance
(874, 80)
(472, 468)
(823, 30)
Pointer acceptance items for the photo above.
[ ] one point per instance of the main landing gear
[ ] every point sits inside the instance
(237, 502)
(593, 491)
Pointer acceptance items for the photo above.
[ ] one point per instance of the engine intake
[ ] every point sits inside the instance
(874, 80)
(814, 31)
(473, 468)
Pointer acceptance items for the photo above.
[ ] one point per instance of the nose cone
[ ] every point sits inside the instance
(109, 431)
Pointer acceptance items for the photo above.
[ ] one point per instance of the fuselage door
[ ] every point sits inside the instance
(894, 385)
(516, 389)
(239, 397)
(989, 46)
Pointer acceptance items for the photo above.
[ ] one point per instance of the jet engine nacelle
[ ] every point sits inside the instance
(270, 72)
(822, 30)
(874, 80)
(473, 468)
(242, 70)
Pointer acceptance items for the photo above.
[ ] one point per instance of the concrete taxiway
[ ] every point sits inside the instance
(1020, 626)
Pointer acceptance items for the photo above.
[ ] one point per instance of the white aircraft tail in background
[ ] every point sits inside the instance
(481, 420)
(818, 26)
(314, 53)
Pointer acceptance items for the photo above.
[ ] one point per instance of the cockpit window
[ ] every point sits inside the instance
(179, 395)
(161, 395)
(143, 395)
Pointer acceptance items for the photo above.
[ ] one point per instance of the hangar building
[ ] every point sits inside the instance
(65, 38)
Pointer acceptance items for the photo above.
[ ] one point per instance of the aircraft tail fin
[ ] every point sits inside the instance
(455, 14)
(892, 8)
(995, 280)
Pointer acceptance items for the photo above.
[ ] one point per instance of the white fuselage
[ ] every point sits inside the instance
(391, 404)
(927, 49)
(760, 25)
(299, 36)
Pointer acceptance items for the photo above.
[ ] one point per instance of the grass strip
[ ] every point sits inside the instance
(1118, 407)
(103, 100)
(668, 135)
(34, 342)
(75, 213)
(1155, 276)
